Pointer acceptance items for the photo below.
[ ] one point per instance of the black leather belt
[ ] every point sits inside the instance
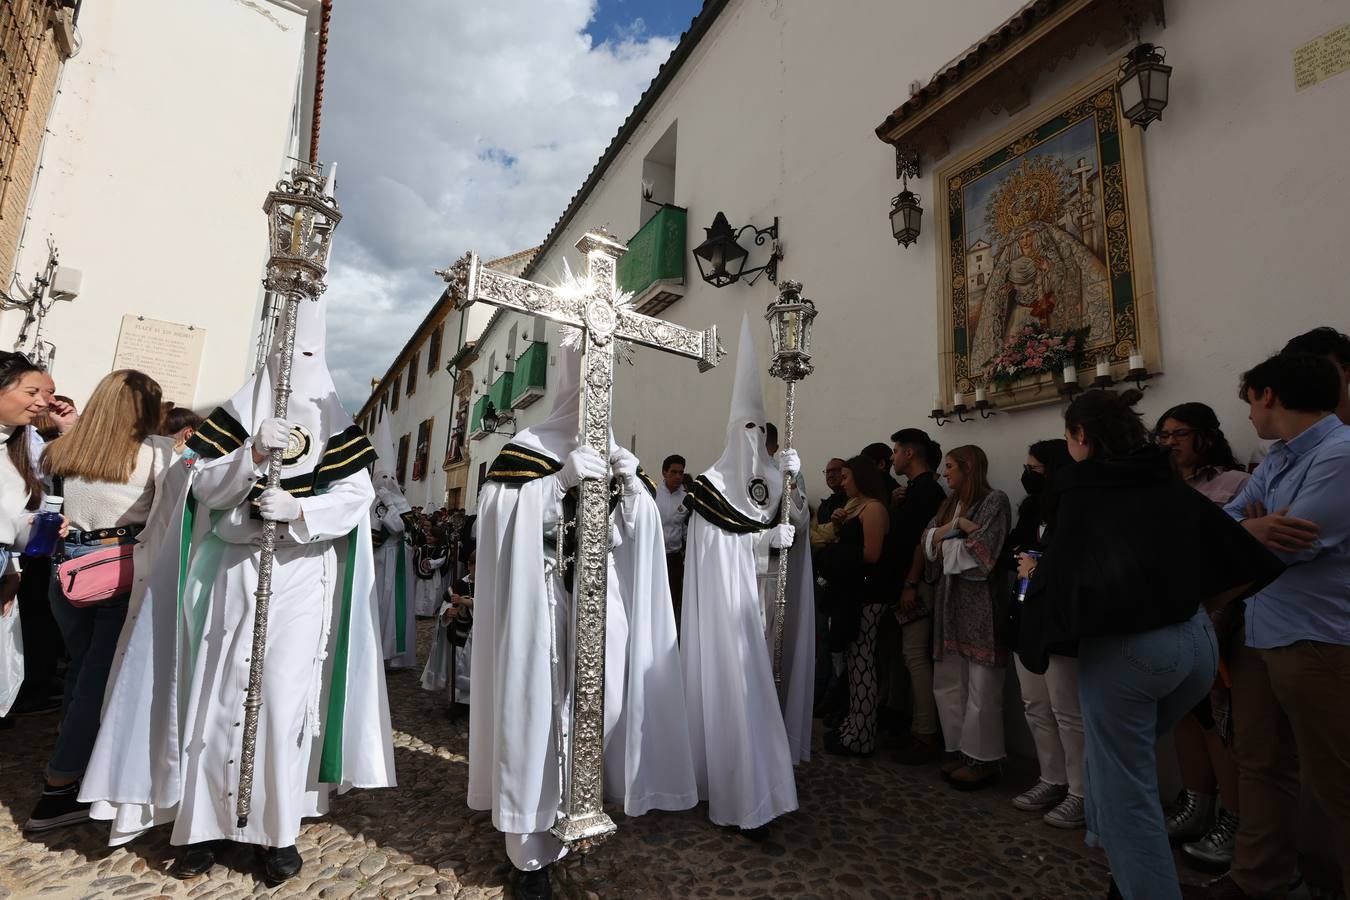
(118, 535)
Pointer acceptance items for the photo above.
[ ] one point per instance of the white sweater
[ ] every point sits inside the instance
(92, 505)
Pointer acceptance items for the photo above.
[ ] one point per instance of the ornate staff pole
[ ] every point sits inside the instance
(790, 318)
(301, 216)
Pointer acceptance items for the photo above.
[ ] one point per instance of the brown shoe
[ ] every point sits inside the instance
(957, 761)
(1224, 888)
(920, 751)
(974, 776)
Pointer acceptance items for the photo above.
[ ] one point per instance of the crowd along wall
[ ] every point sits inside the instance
(173, 122)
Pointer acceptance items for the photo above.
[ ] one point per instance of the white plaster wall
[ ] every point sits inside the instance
(1248, 194)
(173, 123)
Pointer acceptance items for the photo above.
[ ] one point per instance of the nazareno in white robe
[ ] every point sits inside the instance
(742, 755)
(520, 675)
(168, 746)
(394, 586)
(428, 593)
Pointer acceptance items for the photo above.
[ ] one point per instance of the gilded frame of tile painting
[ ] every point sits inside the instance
(1043, 244)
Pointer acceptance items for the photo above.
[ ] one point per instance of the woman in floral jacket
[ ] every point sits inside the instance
(962, 545)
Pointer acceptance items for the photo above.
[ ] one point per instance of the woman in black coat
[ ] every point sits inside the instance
(1133, 553)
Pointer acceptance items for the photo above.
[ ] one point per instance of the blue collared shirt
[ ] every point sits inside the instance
(1310, 601)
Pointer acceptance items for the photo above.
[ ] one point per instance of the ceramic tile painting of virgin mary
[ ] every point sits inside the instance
(1045, 228)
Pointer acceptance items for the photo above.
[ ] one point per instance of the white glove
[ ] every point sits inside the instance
(781, 536)
(625, 467)
(789, 463)
(582, 462)
(279, 506)
(273, 434)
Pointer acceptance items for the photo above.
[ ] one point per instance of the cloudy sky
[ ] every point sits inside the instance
(464, 123)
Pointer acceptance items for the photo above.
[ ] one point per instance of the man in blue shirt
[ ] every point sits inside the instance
(1291, 680)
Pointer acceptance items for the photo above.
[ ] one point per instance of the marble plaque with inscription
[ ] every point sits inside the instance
(168, 352)
(1322, 57)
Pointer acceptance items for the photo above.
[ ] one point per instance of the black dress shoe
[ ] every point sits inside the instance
(195, 859)
(532, 885)
(279, 863)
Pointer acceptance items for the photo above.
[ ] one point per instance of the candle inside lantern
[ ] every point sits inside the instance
(1070, 373)
(1103, 367)
(979, 394)
(1136, 361)
(958, 399)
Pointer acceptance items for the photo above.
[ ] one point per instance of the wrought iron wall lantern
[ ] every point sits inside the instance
(494, 421)
(721, 259)
(906, 213)
(1143, 84)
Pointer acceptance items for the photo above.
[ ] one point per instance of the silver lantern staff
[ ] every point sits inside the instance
(604, 321)
(301, 216)
(790, 318)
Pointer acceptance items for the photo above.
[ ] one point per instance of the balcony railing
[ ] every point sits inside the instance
(476, 419)
(531, 375)
(500, 394)
(654, 263)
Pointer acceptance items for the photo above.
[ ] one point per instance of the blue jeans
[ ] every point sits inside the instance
(1134, 689)
(91, 637)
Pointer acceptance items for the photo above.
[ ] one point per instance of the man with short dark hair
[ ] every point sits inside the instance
(915, 455)
(1291, 674)
(670, 494)
(1335, 346)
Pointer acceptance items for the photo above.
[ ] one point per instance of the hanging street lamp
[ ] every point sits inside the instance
(906, 213)
(1143, 84)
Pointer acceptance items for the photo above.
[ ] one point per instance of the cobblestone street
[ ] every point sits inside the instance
(866, 828)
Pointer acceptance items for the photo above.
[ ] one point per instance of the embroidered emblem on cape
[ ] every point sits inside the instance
(297, 447)
(758, 491)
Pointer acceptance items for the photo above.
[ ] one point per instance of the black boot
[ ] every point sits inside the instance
(531, 885)
(195, 859)
(279, 863)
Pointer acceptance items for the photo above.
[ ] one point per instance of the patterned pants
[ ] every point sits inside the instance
(859, 729)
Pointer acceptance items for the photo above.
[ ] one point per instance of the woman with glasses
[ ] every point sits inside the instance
(1204, 819)
(1050, 700)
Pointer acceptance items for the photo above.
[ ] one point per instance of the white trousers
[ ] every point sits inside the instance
(1055, 717)
(529, 852)
(970, 706)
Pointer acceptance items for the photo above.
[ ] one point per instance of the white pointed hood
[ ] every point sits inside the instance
(557, 435)
(384, 475)
(746, 475)
(324, 432)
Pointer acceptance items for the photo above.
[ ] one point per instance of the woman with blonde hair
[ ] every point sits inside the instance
(107, 467)
(962, 545)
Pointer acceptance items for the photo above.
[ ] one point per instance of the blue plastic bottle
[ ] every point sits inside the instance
(46, 529)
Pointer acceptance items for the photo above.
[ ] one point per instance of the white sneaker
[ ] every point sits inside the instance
(1041, 796)
(1068, 814)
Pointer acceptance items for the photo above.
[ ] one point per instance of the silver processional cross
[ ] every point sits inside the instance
(601, 322)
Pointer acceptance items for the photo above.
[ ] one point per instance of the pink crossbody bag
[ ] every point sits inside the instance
(97, 577)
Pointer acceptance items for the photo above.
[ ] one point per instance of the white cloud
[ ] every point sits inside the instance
(456, 125)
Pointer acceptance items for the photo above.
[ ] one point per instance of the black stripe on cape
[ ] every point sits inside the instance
(344, 454)
(709, 503)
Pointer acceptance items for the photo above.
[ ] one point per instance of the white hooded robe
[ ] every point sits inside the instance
(393, 558)
(169, 745)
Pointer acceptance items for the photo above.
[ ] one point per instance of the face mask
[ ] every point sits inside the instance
(1033, 482)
